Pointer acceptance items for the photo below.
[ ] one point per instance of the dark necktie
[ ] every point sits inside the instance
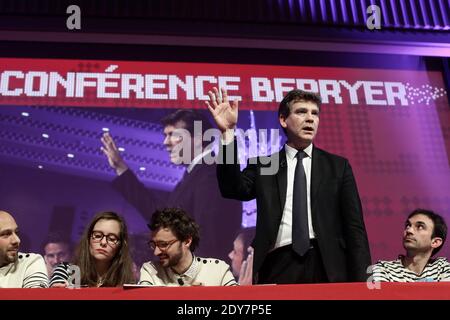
(300, 230)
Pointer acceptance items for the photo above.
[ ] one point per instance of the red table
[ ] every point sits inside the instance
(335, 291)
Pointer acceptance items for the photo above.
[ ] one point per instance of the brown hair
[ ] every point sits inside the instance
(296, 95)
(120, 270)
(439, 226)
(188, 117)
(179, 222)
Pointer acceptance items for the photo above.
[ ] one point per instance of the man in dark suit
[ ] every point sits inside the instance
(197, 192)
(310, 225)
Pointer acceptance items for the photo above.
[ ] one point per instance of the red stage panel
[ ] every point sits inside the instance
(348, 291)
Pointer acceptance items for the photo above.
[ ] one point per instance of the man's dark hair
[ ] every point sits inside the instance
(294, 96)
(56, 237)
(179, 222)
(188, 116)
(439, 228)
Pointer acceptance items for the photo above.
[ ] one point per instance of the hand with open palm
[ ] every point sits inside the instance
(112, 153)
(225, 114)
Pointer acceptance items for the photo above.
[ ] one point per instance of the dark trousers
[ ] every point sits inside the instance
(284, 266)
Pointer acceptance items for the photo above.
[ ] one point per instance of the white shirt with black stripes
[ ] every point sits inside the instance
(29, 271)
(393, 271)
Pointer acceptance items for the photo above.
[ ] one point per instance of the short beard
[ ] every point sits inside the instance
(174, 260)
(5, 259)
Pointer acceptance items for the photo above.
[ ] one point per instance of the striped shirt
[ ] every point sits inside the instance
(203, 271)
(29, 271)
(393, 271)
(60, 274)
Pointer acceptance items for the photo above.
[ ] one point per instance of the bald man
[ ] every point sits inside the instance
(18, 270)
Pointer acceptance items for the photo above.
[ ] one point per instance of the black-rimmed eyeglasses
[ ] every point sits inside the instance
(162, 245)
(98, 236)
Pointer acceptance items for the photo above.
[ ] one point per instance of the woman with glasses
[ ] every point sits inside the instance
(102, 258)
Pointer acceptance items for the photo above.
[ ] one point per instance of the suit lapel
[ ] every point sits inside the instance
(282, 179)
(316, 176)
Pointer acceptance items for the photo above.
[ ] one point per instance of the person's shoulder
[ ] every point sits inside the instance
(151, 267)
(152, 273)
(441, 261)
(29, 258)
(382, 262)
(212, 262)
(329, 155)
(387, 263)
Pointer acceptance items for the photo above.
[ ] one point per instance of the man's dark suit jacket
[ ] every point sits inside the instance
(335, 208)
(198, 194)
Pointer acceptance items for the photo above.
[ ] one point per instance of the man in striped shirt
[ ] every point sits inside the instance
(18, 270)
(423, 236)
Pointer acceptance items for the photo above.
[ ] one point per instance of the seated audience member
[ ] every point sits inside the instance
(174, 238)
(242, 266)
(102, 255)
(424, 235)
(18, 270)
(57, 249)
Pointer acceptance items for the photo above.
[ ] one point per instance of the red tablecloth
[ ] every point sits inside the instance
(335, 291)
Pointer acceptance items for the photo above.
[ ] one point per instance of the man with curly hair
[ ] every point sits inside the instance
(175, 236)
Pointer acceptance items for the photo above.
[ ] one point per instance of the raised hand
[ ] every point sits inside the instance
(225, 114)
(112, 153)
(246, 272)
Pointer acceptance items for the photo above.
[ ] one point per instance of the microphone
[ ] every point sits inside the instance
(180, 282)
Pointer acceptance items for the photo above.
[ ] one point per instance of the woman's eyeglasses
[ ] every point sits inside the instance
(98, 236)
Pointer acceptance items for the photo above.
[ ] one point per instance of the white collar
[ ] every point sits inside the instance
(291, 153)
(7, 268)
(190, 273)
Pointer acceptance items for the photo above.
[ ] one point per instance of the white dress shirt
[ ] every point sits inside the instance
(285, 231)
